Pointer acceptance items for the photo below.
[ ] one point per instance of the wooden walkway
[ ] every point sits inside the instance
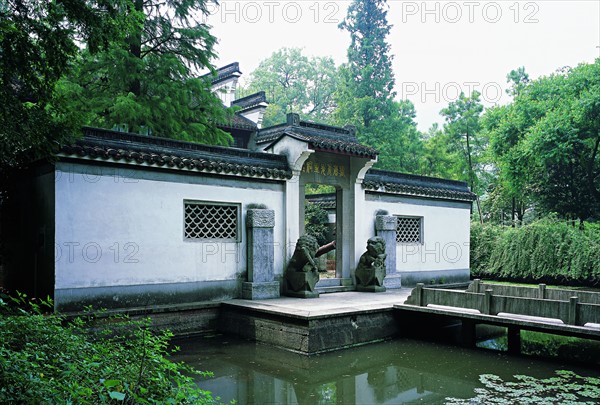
(557, 311)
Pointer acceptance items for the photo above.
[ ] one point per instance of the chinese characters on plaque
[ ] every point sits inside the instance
(324, 169)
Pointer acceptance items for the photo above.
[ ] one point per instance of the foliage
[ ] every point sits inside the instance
(556, 347)
(462, 131)
(38, 40)
(369, 77)
(365, 94)
(315, 188)
(397, 139)
(483, 241)
(546, 143)
(566, 388)
(438, 159)
(87, 360)
(296, 83)
(562, 347)
(546, 250)
(315, 222)
(149, 82)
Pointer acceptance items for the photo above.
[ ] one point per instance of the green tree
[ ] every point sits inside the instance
(505, 127)
(565, 141)
(397, 139)
(546, 143)
(369, 89)
(38, 41)
(462, 127)
(518, 79)
(508, 192)
(296, 83)
(438, 159)
(365, 93)
(149, 82)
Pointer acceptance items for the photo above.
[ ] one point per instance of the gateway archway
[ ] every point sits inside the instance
(334, 173)
(320, 221)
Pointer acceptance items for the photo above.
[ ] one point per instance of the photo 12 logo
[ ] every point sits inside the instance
(438, 92)
(453, 12)
(93, 252)
(95, 175)
(293, 12)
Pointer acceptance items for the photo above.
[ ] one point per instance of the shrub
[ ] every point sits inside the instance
(546, 250)
(316, 222)
(46, 359)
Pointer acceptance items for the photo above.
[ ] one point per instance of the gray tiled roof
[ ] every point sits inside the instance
(224, 73)
(325, 201)
(416, 186)
(118, 147)
(250, 101)
(325, 138)
(238, 121)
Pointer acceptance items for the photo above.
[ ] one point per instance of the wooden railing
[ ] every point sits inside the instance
(494, 301)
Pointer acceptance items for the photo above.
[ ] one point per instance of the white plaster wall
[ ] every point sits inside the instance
(446, 232)
(115, 231)
(256, 114)
(226, 90)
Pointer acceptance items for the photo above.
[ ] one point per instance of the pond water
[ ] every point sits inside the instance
(401, 371)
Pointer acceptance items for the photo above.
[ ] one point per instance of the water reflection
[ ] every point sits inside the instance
(394, 372)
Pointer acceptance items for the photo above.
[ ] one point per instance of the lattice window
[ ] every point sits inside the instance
(409, 230)
(212, 221)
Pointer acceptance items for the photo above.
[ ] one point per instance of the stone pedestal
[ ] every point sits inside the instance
(385, 226)
(370, 288)
(304, 284)
(260, 291)
(393, 281)
(261, 284)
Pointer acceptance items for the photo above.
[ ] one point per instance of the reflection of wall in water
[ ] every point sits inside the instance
(283, 378)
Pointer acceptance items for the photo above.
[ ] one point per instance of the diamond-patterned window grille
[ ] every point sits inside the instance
(408, 230)
(212, 221)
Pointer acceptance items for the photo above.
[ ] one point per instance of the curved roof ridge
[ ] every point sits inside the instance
(250, 100)
(223, 73)
(323, 137)
(416, 177)
(416, 186)
(119, 147)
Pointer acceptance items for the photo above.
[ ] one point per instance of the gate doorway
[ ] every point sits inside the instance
(320, 221)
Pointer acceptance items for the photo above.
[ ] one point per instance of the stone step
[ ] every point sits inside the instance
(335, 288)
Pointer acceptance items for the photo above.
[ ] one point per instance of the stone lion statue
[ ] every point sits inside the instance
(371, 266)
(302, 272)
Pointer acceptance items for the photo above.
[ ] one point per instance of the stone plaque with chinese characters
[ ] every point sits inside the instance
(321, 169)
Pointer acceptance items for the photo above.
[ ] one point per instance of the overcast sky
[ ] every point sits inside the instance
(439, 48)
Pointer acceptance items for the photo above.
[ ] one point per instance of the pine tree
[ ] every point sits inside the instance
(38, 42)
(150, 82)
(365, 95)
(370, 79)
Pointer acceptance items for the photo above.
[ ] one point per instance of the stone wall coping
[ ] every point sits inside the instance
(260, 218)
(386, 222)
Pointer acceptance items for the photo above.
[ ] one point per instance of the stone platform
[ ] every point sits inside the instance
(331, 322)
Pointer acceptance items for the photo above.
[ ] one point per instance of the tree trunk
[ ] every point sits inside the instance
(514, 203)
(472, 176)
(135, 49)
